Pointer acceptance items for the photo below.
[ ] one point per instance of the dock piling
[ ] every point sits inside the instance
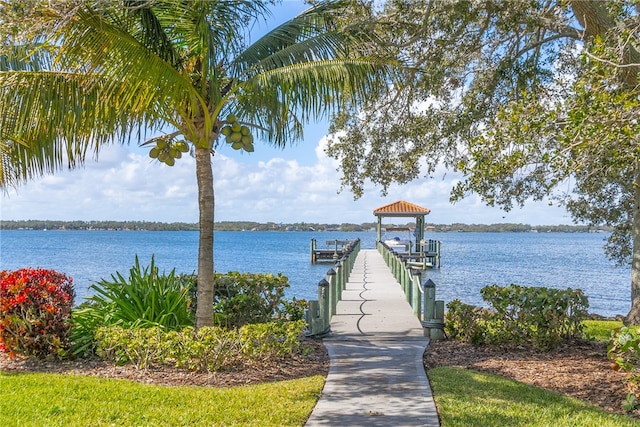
(333, 291)
(429, 299)
(323, 300)
(416, 283)
(437, 329)
(313, 318)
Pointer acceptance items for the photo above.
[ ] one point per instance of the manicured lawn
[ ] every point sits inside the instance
(64, 400)
(600, 330)
(468, 398)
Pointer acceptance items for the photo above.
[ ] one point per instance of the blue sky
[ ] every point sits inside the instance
(297, 184)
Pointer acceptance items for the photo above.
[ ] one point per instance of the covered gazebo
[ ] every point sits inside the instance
(402, 209)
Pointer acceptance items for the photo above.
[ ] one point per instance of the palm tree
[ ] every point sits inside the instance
(114, 72)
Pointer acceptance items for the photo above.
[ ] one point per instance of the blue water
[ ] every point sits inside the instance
(469, 260)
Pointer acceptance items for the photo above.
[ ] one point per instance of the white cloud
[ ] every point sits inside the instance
(126, 185)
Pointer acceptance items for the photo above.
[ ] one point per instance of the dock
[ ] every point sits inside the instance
(333, 251)
(375, 342)
(427, 256)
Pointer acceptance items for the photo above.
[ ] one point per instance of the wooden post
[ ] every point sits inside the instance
(416, 281)
(437, 333)
(339, 279)
(419, 235)
(406, 279)
(429, 299)
(323, 300)
(335, 250)
(333, 291)
(354, 253)
(345, 273)
(439, 310)
(313, 251)
(314, 318)
(396, 267)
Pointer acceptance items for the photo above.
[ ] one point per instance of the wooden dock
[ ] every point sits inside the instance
(419, 296)
(332, 252)
(427, 257)
(375, 342)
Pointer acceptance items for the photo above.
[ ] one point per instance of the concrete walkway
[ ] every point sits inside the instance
(376, 377)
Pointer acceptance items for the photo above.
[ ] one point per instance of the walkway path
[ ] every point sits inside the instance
(376, 377)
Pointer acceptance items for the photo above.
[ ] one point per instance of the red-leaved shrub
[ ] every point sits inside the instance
(35, 311)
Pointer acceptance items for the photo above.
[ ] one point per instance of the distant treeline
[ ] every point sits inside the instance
(96, 225)
(272, 226)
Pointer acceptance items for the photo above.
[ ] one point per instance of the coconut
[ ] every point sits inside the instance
(182, 146)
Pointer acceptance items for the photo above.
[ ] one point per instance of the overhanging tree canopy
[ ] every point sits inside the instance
(530, 100)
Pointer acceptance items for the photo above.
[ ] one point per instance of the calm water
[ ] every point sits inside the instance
(469, 260)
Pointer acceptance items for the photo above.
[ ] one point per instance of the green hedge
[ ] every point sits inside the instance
(209, 349)
(539, 316)
(624, 350)
(244, 298)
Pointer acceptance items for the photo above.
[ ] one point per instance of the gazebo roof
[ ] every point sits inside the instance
(400, 208)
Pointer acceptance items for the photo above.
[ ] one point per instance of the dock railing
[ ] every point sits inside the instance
(422, 297)
(330, 289)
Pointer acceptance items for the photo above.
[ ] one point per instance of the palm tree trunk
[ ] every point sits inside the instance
(206, 203)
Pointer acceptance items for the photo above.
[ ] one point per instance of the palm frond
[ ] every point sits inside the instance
(26, 57)
(310, 65)
(311, 36)
(307, 24)
(150, 31)
(97, 48)
(56, 126)
(310, 89)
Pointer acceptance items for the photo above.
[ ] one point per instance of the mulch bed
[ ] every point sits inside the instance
(315, 362)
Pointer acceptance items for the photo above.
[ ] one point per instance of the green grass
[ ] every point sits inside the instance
(468, 398)
(67, 400)
(600, 330)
